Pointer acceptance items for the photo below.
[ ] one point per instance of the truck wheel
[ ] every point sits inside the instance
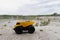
(18, 30)
(31, 29)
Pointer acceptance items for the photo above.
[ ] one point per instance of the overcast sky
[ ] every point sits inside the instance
(29, 7)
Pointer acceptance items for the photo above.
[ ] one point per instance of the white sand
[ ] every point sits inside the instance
(50, 32)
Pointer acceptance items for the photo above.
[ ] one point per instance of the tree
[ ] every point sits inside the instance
(54, 14)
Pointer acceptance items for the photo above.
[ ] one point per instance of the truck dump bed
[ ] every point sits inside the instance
(25, 24)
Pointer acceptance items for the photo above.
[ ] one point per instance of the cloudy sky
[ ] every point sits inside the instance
(29, 7)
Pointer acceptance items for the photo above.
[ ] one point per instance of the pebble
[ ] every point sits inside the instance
(0, 34)
(41, 30)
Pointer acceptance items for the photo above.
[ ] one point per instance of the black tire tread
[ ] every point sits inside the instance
(18, 30)
(31, 29)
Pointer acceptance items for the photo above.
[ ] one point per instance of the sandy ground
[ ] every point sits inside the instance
(50, 32)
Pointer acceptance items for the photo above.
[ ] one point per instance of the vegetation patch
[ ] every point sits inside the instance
(36, 24)
(5, 25)
(45, 23)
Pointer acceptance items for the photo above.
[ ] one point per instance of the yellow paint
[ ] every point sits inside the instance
(24, 24)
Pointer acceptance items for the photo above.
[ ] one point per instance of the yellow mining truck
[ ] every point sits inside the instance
(24, 26)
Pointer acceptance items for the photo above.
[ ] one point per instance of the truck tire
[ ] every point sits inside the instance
(31, 29)
(18, 30)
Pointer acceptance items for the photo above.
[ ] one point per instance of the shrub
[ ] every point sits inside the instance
(45, 23)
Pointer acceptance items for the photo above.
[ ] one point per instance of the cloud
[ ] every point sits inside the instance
(12, 5)
(29, 7)
(48, 7)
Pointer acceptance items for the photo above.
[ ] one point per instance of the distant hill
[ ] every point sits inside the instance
(28, 16)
